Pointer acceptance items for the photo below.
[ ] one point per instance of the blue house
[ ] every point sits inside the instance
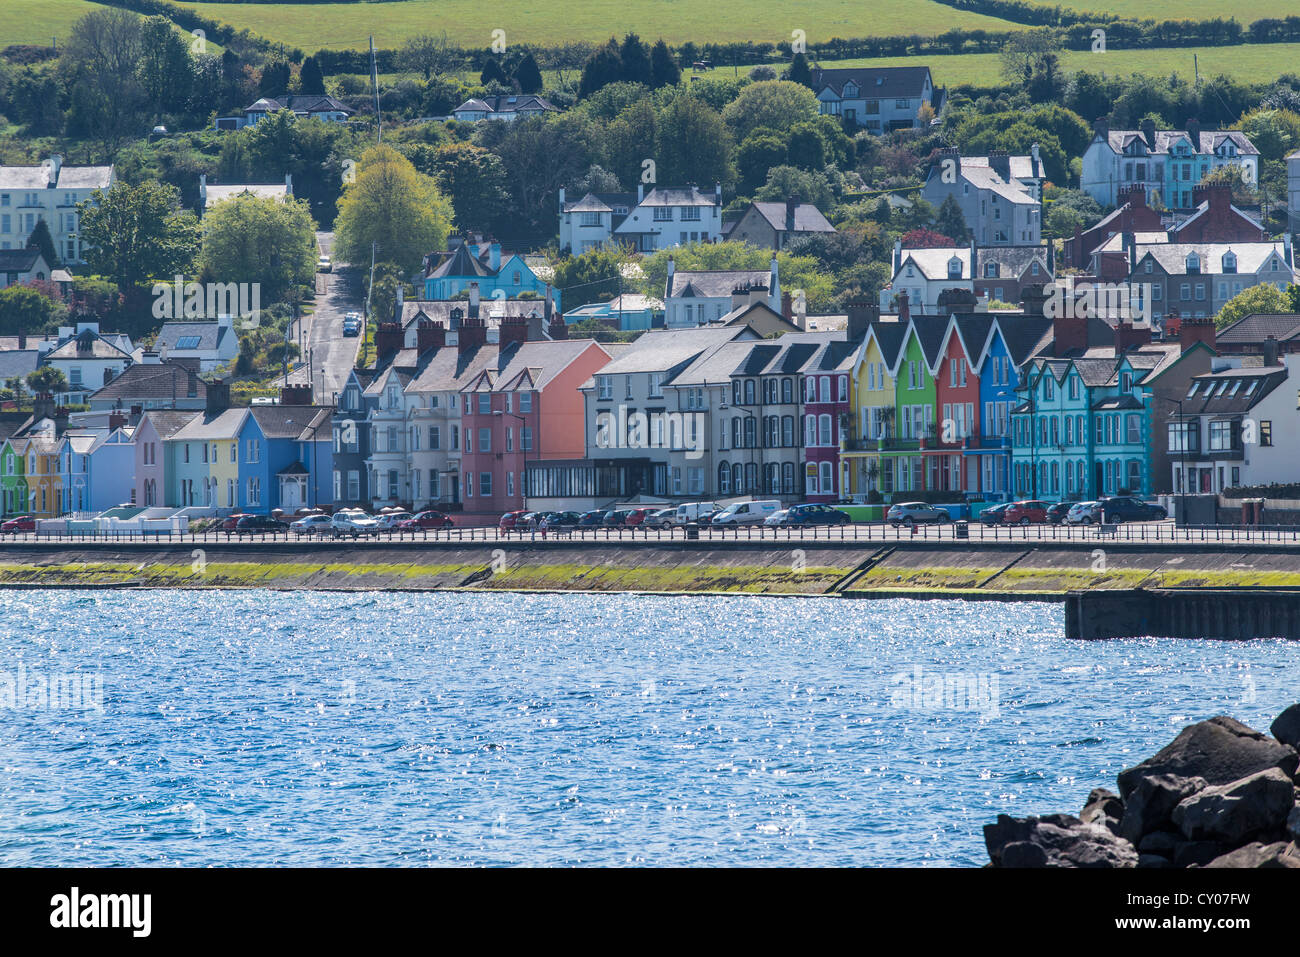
(1009, 342)
(449, 273)
(96, 469)
(285, 458)
(626, 312)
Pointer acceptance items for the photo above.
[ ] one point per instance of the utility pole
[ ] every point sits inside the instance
(374, 80)
(370, 290)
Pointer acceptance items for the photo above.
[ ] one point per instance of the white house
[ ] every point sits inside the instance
(1168, 164)
(87, 359)
(700, 297)
(50, 192)
(22, 265)
(1293, 190)
(672, 216)
(302, 105)
(590, 222)
(209, 341)
(879, 99)
(212, 193)
(506, 108)
(1000, 208)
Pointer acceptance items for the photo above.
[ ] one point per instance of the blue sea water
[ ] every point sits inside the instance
(278, 728)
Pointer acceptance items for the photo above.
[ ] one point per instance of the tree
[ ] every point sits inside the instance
(760, 152)
(784, 182)
(773, 104)
(1275, 133)
(799, 71)
(540, 154)
(393, 206)
(950, 221)
(664, 70)
(528, 75)
(257, 239)
(166, 71)
(47, 379)
(137, 233)
(635, 61)
(925, 239)
(274, 80)
(101, 60)
(475, 181)
(310, 78)
(629, 141)
(603, 67)
(427, 54)
(1263, 297)
(692, 143)
(807, 149)
(1023, 51)
(595, 276)
(492, 72)
(41, 239)
(24, 310)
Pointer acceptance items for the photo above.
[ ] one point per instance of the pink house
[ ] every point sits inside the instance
(152, 453)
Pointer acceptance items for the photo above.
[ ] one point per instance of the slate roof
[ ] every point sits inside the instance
(18, 363)
(983, 177)
(167, 422)
(1012, 261)
(460, 262)
(678, 196)
(601, 203)
(662, 350)
(1209, 140)
(807, 217)
(532, 365)
(211, 335)
(513, 103)
(299, 103)
(1235, 399)
(1258, 326)
(875, 82)
(97, 347)
(933, 262)
(216, 193)
(1020, 167)
(289, 421)
(715, 284)
(212, 425)
(717, 365)
(158, 381)
(449, 370)
(1251, 257)
(18, 260)
(69, 177)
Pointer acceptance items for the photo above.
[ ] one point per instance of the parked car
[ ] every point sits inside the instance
(660, 518)
(706, 518)
(777, 518)
(615, 517)
(324, 265)
(390, 521)
(23, 523)
(430, 518)
(316, 524)
(815, 514)
(747, 513)
(592, 518)
(916, 513)
(1084, 513)
(259, 525)
(1126, 508)
(510, 521)
(993, 514)
(1028, 512)
(230, 521)
(636, 517)
(691, 512)
(354, 522)
(1056, 514)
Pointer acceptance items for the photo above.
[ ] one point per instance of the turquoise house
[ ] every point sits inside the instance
(481, 263)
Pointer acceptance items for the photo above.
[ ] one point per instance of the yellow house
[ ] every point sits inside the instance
(44, 486)
(873, 403)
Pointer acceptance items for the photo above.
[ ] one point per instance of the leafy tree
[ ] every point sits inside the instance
(603, 67)
(310, 78)
(635, 60)
(540, 154)
(786, 181)
(1024, 51)
(137, 233)
(41, 239)
(761, 151)
(1275, 133)
(527, 74)
(492, 72)
(257, 239)
(274, 80)
(807, 149)
(24, 310)
(427, 54)
(47, 379)
(166, 71)
(475, 181)
(1243, 191)
(773, 104)
(1260, 298)
(629, 141)
(950, 221)
(101, 58)
(391, 205)
(594, 276)
(925, 239)
(664, 70)
(692, 143)
(799, 71)
(1067, 208)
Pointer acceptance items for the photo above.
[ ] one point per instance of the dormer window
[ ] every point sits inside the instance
(1193, 263)
(990, 270)
(850, 89)
(954, 268)
(1229, 262)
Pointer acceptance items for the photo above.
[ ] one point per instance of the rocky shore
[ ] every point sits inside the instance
(1219, 795)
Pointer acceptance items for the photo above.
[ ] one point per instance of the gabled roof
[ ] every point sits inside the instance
(207, 426)
(1258, 326)
(19, 260)
(532, 365)
(87, 345)
(663, 350)
(874, 82)
(167, 422)
(460, 262)
(67, 177)
(289, 421)
(1237, 396)
(510, 103)
(210, 334)
(1209, 141)
(601, 203)
(1172, 257)
(807, 217)
(158, 381)
(715, 284)
(1020, 167)
(933, 261)
(678, 196)
(983, 177)
(299, 103)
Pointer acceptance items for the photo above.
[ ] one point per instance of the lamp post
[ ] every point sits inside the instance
(523, 476)
(1033, 443)
(1183, 438)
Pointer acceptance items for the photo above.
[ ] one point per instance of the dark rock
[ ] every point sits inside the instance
(1280, 854)
(1238, 811)
(1161, 842)
(1198, 853)
(1293, 822)
(1055, 840)
(1103, 808)
(1286, 726)
(1220, 750)
(1153, 860)
(1150, 806)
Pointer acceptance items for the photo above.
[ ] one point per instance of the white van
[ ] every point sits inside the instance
(691, 511)
(747, 513)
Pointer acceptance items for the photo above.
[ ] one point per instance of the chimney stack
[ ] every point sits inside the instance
(1270, 351)
(218, 396)
(558, 328)
(861, 314)
(904, 311)
(42, 406)
(429, 335)
(388, 342)
(472, 333)
(513, 329)
(1149, 133)
(1193, 330)
(473, 300)
(791, 205)
(295, 394)
(1194, 131)
(1000, 163)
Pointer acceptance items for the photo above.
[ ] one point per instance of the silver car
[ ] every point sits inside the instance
(1084, 513)
(916, 513)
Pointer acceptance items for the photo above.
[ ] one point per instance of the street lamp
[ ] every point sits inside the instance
(1033, 442)
(523, 476)
(1183, 438)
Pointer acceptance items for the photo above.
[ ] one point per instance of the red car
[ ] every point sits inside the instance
(636, 517)
(510, 519)
(231, 522)
(23, 523)
(429, 519)
(1025, 513)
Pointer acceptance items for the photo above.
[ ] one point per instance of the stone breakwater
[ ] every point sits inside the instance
(1219, 795)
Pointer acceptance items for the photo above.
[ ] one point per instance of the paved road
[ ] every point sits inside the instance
(325, 350)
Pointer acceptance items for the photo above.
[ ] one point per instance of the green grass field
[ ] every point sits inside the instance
(1243, 13)
(35, 21)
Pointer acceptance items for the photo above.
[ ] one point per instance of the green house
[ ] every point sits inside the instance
(13, 477)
